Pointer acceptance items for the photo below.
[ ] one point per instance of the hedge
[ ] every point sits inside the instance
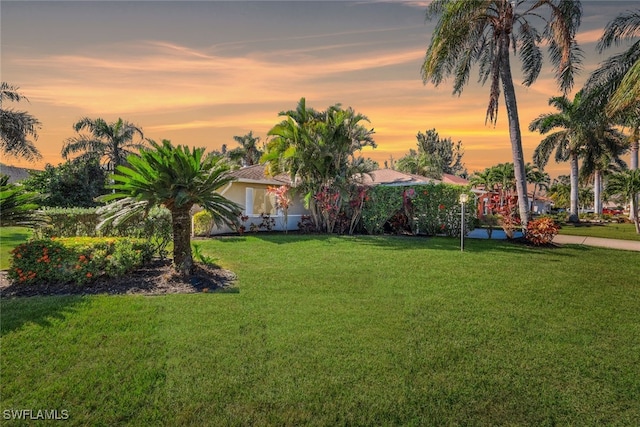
(429, 209)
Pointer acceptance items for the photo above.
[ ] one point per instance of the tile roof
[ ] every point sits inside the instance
(392, 177)
(258, 173)
(453, 179)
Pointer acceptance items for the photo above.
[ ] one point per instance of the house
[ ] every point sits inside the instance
(488, 200)
(259, 210)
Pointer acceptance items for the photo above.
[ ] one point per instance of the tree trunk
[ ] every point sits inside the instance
(182, 257)
(514, 130)
(634, 165)
(634, 211)
(573, 207)
(597, 192)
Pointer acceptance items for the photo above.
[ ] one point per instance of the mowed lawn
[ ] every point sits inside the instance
(333, 331)
(606, 231)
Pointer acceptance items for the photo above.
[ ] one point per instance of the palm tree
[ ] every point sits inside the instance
(248, 154)
(177, 178)
(112, 143)
(616, 82)
(627, 185)
(566, 142)
(17, 126)
(504, 176)
(318, 151)
(539, 178)
(482, 31)
(484, 179)
(601, 156)
(560, 191)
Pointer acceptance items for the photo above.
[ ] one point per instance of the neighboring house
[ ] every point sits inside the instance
(249, 190)
(489, 199)
(541, 205)
(454, 179)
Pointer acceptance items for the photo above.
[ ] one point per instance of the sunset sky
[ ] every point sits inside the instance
(199, 73)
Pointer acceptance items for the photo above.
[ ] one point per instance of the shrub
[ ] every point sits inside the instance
(202, 223)
(76, 260)
(541, 231)
(155, 227)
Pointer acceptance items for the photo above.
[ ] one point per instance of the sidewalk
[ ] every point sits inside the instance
(627, 245)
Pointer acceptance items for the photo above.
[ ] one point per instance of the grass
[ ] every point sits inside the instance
(340, 330)
(10, 237)
(607, 231)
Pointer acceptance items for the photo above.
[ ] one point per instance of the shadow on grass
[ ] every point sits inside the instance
(43, 311)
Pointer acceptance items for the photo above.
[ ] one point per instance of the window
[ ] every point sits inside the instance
(258, 202)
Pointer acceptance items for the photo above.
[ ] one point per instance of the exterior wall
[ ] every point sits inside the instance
(237, 192)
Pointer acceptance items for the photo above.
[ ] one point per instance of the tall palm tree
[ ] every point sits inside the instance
(177, 178)
(627, 185)
(112, 143)
(600, 155)
(248, 154)
(616, 82)
(567, 141)
(483, 32)
(17, 126)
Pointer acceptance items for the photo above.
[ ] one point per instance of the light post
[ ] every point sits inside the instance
(463, 199)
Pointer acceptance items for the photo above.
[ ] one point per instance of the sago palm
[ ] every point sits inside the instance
(112, 143)
(18, 207)
(177, 178)
(485, 32)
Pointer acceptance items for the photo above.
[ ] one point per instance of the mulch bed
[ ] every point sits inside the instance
(156, 278)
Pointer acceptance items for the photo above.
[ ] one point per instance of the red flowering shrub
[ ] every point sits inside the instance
(541, 231)
(76, 260)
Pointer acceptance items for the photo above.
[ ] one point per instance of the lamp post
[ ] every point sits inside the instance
(463, 199)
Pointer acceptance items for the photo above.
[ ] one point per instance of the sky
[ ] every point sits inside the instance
(198, 73)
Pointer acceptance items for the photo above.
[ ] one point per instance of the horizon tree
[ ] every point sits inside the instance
(111, 143)
(177, 178)
(17, 126)
(434, 157)
(248, 154)
(485, 32)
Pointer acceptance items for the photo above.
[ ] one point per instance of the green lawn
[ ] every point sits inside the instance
(336, 330)
(608, 231)
(10, 237)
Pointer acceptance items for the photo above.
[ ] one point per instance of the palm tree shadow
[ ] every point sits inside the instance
(42, 311)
